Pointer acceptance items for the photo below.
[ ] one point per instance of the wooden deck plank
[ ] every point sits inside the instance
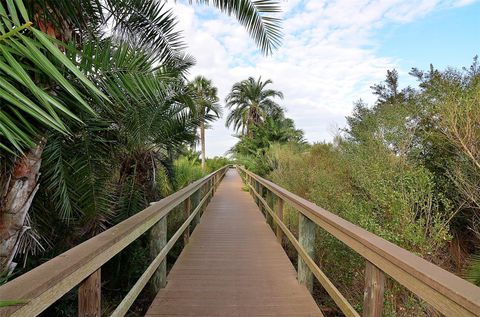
(233, 266)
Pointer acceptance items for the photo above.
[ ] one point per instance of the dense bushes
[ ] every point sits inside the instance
(378, 191)
(405, 168)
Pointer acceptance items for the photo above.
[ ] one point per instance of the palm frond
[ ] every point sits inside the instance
(146, 24)
(30, 104)
(256, 17)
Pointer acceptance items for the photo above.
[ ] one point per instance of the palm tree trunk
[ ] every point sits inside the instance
(16, 199)
(202, 141)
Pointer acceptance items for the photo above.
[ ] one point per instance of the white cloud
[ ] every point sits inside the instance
(328, 58)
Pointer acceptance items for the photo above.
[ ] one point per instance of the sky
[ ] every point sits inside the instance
(331, 53)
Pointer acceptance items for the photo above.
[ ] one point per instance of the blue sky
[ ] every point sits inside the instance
(446, 38)
(332, 52)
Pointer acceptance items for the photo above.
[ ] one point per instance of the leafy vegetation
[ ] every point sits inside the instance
(259, 121)
(207, 107)
(96, 121)
(405, 168)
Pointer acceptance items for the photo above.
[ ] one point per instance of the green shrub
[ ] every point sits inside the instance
(370, 187)
(213, 164)
(186, 171)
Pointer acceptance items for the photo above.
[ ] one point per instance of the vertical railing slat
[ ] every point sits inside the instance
(187, 205)
(195, 202)
(158, 240)
(90, 296)
(373, 292)
(306, 238)
(269, 199)
(279, 212)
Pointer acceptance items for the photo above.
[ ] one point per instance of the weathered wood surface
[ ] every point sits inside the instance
(187, 206)
(233, 266)
(373, 293)
(279, 211)
(446, 292)
(158, 240)
(90, 296)
(335, 294)
(45, 284)
(306, 238)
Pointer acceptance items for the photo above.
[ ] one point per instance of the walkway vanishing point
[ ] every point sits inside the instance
(233, 263)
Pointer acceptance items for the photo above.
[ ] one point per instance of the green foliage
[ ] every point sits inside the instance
(251, 103)
(261, 122)
(29, 63)
(472, 273)
(405, 169)
(205, 98)
(256, 17)
(216, 163)
(252, 151)
(186, 171)
(207, 107)
(369, 187)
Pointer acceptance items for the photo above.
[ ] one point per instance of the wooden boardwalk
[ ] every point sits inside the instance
(233, 265)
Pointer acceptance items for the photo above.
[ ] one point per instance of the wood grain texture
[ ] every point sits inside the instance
(48, 282)
(195, 198)
(233, 266)
(158, 240)
(306, 238)
(341, 301)
(187, 206)
(448, 293)
(128, 300)
(90, 296)
(279, 212)
(373, 293)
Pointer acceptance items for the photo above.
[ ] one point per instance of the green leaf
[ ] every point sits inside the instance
(66, 62)
(22, 9)
(13, 12)
(5, 303)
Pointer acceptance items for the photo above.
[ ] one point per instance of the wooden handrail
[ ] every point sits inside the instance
(448, 293)
(45, 284)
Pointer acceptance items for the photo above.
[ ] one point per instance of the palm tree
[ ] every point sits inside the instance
(38, 83)
(48, 101)
(252, 103)
(145, 24)
(207, 106)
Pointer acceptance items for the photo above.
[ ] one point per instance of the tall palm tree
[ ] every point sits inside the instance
(251, 102)
(47, 95)
(144, 23)
(38, 84)
(207, 106)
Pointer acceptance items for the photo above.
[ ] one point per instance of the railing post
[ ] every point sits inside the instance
(257, 189)
(90, 296)
(261, 191)
(373, 292)
(187, 205)
(158, 240)
(279, 211)
(250, 183)
(204, 192)
(269, 199)
(209, 187)
(214, 184)
(195, 202)
(306, 237)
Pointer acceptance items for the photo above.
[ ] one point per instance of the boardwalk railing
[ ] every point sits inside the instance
(81, 265)
(449, 294)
